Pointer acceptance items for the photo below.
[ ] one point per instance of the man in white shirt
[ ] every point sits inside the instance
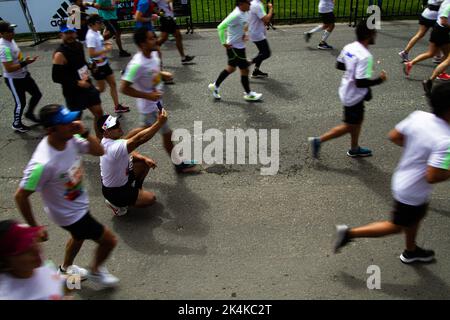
(357, 62)
(326, 8)
(122, 168)
(17, 77)
(235, 25)
(257, 31)
(425, 161)
(56, 171)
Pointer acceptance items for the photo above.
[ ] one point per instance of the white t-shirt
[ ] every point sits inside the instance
(145, 75)
(359, 65)
(44, 284)
(95, 40)
(116, 163)
(256, 27)
(10, 52)
(444, 11)
(234, 24)
(326, 6)
(429, 14)
(427, 143)
(58, 176)
(164, 5)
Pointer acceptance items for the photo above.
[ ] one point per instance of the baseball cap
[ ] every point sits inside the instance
(5, 26)
(107, 122)
(65, 28)
(16, 238)
(53, 114)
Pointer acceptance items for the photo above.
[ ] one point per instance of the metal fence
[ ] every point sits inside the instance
(211, 12)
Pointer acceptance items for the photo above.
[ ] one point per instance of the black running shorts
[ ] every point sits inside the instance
(102, 72)
(168, 25)
(406, 215)
(237, 58)
(354, 114)
(83, 99)
(87, 228)
(112, 26)
(439, 35)
(327, 18)
(122, 196)
(426, 22)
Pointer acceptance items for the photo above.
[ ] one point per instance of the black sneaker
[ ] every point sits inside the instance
(124, 54)
(21, 128)
(419, 254)
(187, 167)
(359, 152)
(427, 85)
(324, 46)
(315, 146)
(187, 59)
(32, 117)
(259, 74)
(342, 238)
(307, 36)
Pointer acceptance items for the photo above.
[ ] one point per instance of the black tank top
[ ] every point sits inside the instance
(75, 61)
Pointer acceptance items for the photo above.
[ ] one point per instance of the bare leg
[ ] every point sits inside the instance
(113, 89)
(410, 237)
(374, 230)
(72, 248)
(336, 132)
(432, 51)
(106, 244)
(97, 112)
(419, 35)
(179, 43)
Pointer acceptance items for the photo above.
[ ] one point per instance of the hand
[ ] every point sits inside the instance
(155, 95)
(84, 84)
(383, 75)
(108, 46)
(270, 5)
(42, 235)
(150, 162)
(228, 46)
(78, 127)
(30, 60)
(166, 75)
(162, 116)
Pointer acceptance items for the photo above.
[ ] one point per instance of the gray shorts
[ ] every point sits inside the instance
(147, 119)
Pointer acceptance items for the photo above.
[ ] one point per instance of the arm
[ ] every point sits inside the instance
(146, 134)
(222, 27)
(435, 175)
(266, 19)
(95, 148)
(59, 72)
(140, 17)
(396, 137)
(93, 53)
(7, 60)
(127, 89)
(363, 74)
(24, 206)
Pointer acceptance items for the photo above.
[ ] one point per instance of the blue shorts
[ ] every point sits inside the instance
(148, 26)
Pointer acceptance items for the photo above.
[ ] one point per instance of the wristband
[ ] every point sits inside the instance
(23, 64)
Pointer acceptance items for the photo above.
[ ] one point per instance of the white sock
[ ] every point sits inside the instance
(325, 35)
(316, 29)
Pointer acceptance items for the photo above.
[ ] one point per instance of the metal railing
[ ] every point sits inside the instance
(211, 12)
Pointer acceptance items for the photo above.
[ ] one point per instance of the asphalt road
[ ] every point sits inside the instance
(231, 233)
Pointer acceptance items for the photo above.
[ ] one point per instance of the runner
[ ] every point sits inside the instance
(143, 80)
(55, 170)
(426, 21)
(123, 169)
(425, 161)
(97, 52)
(326, 8)
(236, 25)
(439, 40)
(17, 77)
(145, 14)
(168, 25)
(71, 71)
(357, 62)
(257, 31)
(108, 11)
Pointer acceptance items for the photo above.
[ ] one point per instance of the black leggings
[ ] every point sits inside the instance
(18, 88)
(264, 52)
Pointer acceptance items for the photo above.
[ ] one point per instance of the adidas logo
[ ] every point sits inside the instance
(60, 15)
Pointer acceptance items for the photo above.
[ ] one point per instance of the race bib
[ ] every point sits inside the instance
(83, 73)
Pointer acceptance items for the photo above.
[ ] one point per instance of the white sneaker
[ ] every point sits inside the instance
(103, 277)
(215, 91)
(74, 270)
(118, 211)
(253, 96)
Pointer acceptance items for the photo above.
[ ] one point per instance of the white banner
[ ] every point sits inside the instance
(11, 11)
(48, 14)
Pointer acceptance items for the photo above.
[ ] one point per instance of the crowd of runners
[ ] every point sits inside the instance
(55, 169)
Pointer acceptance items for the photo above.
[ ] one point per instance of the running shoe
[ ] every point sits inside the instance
(187, 167)
(407, 66)
(118, 211)
(315, 146)
(21, 128)
(103, 277)
(253, 96)
(259, 74)
(324, 46)
(342, 238)
(121, 109)
(404, 55)
(73, 270)
(444, 76)
(215, 91)
(359, 152)
(437, 59)
(419, 254)
(307, 36)
(187, 59)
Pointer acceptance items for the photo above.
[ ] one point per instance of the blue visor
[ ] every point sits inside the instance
(64, 116)
(64, 28)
